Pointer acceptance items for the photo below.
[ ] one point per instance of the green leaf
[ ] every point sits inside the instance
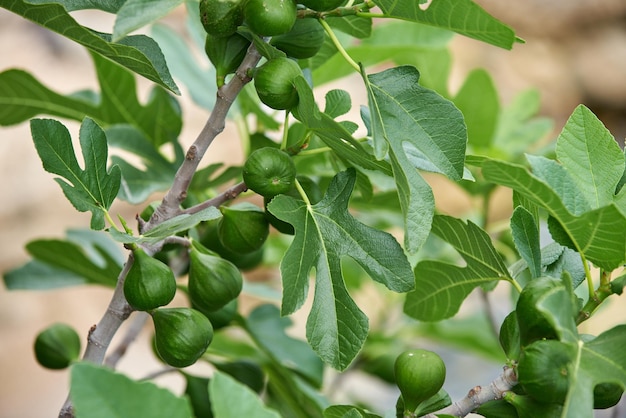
(526, 238)
(325, 232)
(168, 228)
(440, 288)
(138, 53)
(591, 156)
(338, 102)
(25, 97)
(111, 6)
(231, 399)
(461, 16)
(478, 101)
(98, 392)
(406, 121)
(135, 14)
(359, 27)
(92, 189)
(268, 329)
(597, 234)
(84, 257)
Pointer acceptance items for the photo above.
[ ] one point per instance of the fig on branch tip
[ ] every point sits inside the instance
(420, 374)
(57, 346)
(182, 335)
(149, 283)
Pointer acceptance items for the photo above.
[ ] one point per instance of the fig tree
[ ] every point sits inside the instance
(149, 283)
(269, 17)
(419, 375)
(57, 346)
(182, 335)
(274, 83)
(213, 281)
(243, 228)
(269, 171)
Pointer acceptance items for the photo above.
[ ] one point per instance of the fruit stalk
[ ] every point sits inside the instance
(479, 395)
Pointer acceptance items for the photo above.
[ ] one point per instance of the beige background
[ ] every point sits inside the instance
(575, 52)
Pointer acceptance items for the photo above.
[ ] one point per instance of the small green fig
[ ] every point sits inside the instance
(420, 374)
(213, 281)
(220, 18)
(606, 395)
(149, 282)
(226, 54)
(543, 371)
(243, 227)
(274, 82)
(182, 335)
(57, 346)
(269, 171)
(270, 17)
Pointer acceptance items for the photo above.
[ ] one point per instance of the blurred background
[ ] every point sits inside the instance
(575, 52)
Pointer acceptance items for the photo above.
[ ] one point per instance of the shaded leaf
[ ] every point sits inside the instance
(440, 288)
(138, 53)
(345, 411)
(359, 27)
(325, 232)
(135, 14)
(92, 189)
(526, 237)
(93, 387)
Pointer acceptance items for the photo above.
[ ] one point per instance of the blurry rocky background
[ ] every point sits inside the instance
(575, 52)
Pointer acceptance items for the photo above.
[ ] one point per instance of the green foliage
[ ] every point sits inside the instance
(342, 197)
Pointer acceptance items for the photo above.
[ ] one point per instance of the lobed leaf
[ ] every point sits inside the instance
(231, 399)
(92, 189)
(324, 233)
(138, 53)
(440, 288)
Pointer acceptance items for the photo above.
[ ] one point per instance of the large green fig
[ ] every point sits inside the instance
(226, 54)
(304, 40)
(419, 375)
(606, 395)
(213, 281)
(182, 335)
(243, 228)
(269, 171)
(149, 282)
(210, 239)
(221, 18)
(274, 82)
(543, 371)
(57, 346)
(270, 17)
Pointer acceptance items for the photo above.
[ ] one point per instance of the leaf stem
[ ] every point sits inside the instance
(283, 143)
(588, 278)
(515, 284)
(107, 216)
(339, 47)
(303, 194)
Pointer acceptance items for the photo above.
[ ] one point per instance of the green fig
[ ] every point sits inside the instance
(543, 371)
(226, 54)
(213, 281)
(182, 335)
(420, 374)
(304, 40)
(607, 395)
(220, 18)
(223, 316)
(209, 238)
(269, 171)
(149, 282)
(270, 17)
(274, 83)
(57, 346)
(243, 228)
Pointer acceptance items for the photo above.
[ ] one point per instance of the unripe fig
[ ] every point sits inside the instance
(304, 40)
(226, 54)
(274, 82)
(269, 171)
(149, 282)
(223, 316)
(209, 238)
(270, 17)
(606, 395)
(182, 335)
(213, 281)
(243, 228)
(419, 375)
(543, 371)
(57, 346)
(221, 18)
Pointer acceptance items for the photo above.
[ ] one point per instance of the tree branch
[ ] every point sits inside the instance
(133, 331)
(227, 195)
(479, 395)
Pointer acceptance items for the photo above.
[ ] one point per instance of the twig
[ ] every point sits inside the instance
(227, 195)
(170, 205)
(132, 332)
(480, 395)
